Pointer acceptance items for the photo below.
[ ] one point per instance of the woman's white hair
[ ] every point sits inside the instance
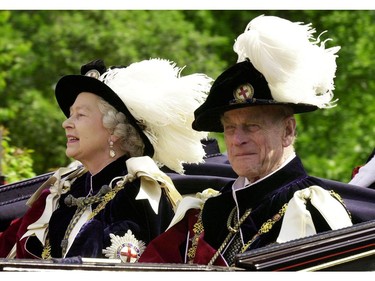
(117, 123)
(163, 103)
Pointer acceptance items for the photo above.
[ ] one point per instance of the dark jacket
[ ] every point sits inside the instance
(266, 199)
(120, 214)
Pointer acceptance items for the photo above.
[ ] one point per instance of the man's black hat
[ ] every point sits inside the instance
(239, 86)
(279, 63)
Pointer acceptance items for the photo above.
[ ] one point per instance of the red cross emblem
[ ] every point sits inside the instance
(128, 253)
(243, 92)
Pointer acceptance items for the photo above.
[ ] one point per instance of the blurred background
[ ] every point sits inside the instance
(40, 46)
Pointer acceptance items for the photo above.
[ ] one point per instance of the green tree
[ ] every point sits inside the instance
(332, 142)
(59, 42)
(15, 163)
(38, 47)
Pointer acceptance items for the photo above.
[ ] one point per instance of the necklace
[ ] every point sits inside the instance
(266, 227)
(237, 225)
(232, 230)
(105, 195)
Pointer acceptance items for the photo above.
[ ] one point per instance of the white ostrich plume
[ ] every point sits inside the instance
(297, 66)
(163, 102)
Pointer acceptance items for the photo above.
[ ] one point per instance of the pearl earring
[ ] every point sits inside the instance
(112, 153)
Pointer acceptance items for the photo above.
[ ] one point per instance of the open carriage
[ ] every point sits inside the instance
(347, 249)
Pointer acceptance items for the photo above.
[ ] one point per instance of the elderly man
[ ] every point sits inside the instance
(279, 73)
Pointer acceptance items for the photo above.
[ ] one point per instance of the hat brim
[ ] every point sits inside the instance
(221, 98)
(209, 120)
(70, 86)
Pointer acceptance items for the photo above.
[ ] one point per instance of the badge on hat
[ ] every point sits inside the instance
(126, 248)
(243, 92)
(93, 73)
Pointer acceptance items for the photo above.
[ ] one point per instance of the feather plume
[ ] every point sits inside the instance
(163, 102)
(297, 66)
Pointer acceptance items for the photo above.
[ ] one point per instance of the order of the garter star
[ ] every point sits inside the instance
(126, 248)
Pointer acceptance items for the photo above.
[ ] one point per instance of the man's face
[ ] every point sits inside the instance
(255, 137)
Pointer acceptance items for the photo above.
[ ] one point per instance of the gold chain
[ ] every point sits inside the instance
(82, 204)
(339, 198)
(232, 230)
(229, 221)
(106, 198)
(267, 226)
(103, 199)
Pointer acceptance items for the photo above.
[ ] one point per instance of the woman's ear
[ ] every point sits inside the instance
(113, 138)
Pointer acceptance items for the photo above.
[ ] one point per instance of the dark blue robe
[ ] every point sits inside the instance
(122, 213)
(265, 198)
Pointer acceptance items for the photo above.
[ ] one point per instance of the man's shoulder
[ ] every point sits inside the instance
(360, 201)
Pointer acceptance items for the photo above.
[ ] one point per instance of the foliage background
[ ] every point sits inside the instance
(39, 46)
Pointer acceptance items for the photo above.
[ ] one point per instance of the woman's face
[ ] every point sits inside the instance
(87, 139)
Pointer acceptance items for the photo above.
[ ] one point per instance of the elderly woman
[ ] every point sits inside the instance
(123, 123)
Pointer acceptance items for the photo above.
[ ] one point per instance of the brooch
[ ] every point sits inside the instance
(126, 248)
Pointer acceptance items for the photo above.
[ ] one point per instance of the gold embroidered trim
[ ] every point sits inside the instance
(197, 229)
(46, 253)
